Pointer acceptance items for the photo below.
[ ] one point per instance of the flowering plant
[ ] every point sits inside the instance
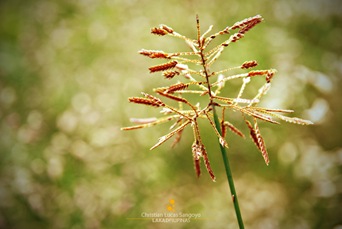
(204, 82)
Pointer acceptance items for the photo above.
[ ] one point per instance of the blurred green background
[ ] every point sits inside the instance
(67, 68)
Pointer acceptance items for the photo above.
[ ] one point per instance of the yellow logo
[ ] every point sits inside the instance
(171, 205)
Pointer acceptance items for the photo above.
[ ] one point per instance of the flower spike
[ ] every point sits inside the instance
(192, 69)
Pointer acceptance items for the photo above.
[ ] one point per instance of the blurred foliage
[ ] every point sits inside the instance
(66, 70)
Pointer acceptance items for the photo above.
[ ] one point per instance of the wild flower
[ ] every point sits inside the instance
(203, 82)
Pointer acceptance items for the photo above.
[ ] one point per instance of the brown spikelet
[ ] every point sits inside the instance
(158, 31)
(207, 163)
(197, 154)
(258, 72)
(249, 26)
(198, 151)
(249, 64)
(197, 167)
(167, 28)
(235, 37)
(176, 87)
(235, 130)
(252, 134)
(145, 101)
(261, 143)
(154, 99)
(258, 140)
(154, 54)
(170, 74)
(223, 129)
(163, 67)
(247, 23)
(270, 75)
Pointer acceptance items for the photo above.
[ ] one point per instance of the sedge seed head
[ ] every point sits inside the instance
(208, 84)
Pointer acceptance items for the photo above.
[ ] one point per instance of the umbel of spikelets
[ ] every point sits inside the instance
(199, 80)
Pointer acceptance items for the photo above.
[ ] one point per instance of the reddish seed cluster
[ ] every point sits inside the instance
(170, 74)
(198, 151)
(258, 140)
(176, 87)
(158, 31)
(207, 164)
(144, 101)
(236, 37)
(245, 26)
(261, 144)
(257, 73)
(249, 26)
(196, 154)
(249, 64)
(154, 99)
(162, 30)
(163, 67)
(149, 100)
(269, 75)
(167, 28)
(154, 54)
(247, 23)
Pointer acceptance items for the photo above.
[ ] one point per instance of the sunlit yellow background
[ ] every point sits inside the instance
(67, 68)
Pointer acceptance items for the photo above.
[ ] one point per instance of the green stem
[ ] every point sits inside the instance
(229, 174)
(217, 124)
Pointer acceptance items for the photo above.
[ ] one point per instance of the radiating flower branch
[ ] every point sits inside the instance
(200, 80)
(199, 83)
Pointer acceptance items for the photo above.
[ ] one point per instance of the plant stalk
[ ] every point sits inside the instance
(229, 174)
(217, 124)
